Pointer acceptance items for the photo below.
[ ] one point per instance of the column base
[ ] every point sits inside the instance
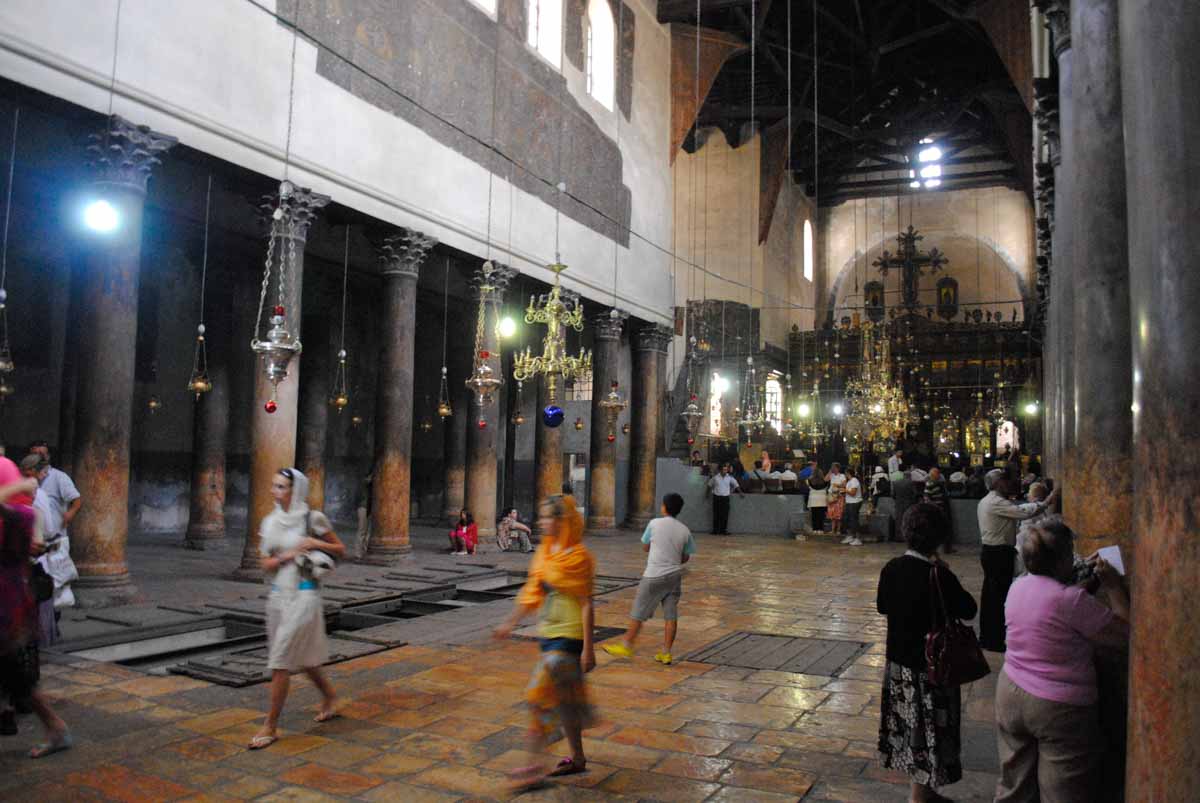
(201, 541)
(247, 574)
(637, 521)
(601, 522)
(385, 556)
(104, 591)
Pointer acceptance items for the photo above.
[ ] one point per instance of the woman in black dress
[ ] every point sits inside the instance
(919, 726)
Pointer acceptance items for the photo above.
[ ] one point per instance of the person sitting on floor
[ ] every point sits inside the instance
(465, 534)
(512, 534)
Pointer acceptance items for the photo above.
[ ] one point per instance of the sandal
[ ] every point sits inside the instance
(524, 779)
(327, 714)
(262, 740)
(568, 767)
(63, 742)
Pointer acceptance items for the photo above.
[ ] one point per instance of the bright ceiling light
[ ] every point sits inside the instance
(1031, 408)
(933, 182)
(916, 185)
(838, 409)
(508, 327)
(101, 216)
(805, 411)
(931, 154)
(932, 171)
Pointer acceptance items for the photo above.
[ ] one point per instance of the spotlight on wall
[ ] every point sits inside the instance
(508, 327)
(101, 216)
(804, 410)
(719, 384)
(838, 409)
(1031, 408)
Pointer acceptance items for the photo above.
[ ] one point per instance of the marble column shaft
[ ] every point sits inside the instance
(401, 256)
(313, 427)
(1160, 67)
(273, 435)
(548, 456)
(210, 435)
(1100, 288)
(123, 157)
(649, 349)
(602, 457)
(482, 472)
(456, 426)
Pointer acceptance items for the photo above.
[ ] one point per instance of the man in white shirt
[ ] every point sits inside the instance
(61, 493)
(669, 545)
(854, 500)
(998, 519)
(894, 461)
(787, 473)
(722, 486)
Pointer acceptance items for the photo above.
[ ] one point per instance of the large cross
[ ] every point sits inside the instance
(912, 262)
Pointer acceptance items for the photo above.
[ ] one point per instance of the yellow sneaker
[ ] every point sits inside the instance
(663, 658)
(618, 650)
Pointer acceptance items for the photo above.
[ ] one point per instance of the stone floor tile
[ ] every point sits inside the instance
(615, 754)
(659, 722)
(396, 764)
(719, 730)
(769, 779)
(853, 686)
(677, 742)
(340, 754)
(329, 780)
(248, 787)
(128, 705)
(220, 720)
(845, 703)
(205, 749)
(464, 729)
(801, 741)
(734, 794)
(653, 786)
(867, 750)
(296, 794)
(823, 764)
(824, 723)
(151, 686)
(753, 753)
(848, 790)
(122, 784)
(398, 792)
(440, 748)
(467, 780)
(789, 697)
(761, 716)
(697, 768)
(407, 719)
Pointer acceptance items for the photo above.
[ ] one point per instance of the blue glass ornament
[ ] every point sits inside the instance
(552, 416)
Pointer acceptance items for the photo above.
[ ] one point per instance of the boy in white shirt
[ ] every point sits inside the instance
(670, 545)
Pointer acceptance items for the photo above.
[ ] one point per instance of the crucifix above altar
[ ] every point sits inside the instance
(912, 263)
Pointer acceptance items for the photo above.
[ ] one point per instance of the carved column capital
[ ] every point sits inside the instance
(653, 337)
(606, 326)
(1058, 20)
(124, 153)
(402, 251)
(299, 208)
(500, 278)
(1045, 94)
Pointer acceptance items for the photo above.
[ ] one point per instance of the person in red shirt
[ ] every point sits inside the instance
(465, 534)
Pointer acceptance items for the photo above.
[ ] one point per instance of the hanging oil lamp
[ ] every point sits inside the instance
(279, 346)
(154, 404)
(198, 382)
(444, 410)
(579, 425)
(483, 381)
(341, 383)
(612, 404)
(426, 423)
(518, 417)
(625, 428)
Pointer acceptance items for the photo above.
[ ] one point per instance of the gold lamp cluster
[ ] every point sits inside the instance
(878, 406)
(484, 381)
(553, 362)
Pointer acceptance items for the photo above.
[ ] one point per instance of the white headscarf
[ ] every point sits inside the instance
(295, 518)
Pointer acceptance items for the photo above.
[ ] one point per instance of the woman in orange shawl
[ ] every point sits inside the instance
(559, 588)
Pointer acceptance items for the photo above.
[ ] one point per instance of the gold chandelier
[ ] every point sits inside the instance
(553, 362)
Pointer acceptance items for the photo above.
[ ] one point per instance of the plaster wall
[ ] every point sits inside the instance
(716, 236)
(986, 233)
(217, 74)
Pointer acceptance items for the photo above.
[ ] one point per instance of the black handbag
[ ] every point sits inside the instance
(952, 653)
(41, 584)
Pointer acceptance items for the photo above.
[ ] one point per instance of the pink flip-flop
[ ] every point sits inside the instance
(567, 766)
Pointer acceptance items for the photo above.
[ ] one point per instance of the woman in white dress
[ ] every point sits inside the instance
(295, 617)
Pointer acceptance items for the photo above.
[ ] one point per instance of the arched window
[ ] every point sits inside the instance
(773, 403)
(487, 5)
(545, 29)
(601, 53)
(808, 250)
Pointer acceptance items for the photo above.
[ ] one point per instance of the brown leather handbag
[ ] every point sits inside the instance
(952, 653)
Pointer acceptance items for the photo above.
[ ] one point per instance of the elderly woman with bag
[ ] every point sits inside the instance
(298, 546)
(919, 723)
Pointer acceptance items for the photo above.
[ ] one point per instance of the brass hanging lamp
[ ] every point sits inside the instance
(199, 382)
(341, 379)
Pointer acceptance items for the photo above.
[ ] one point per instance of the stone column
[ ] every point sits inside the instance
(210, 433)
(273, 435)
(314, 407)
(649, 346)
(1062, 308)
(459, 368)
(123, 156)
(547, 453)
(602, 456)
(1048, 281)
(483, 424)
(401, 255)
(1103, 419)
(1159, 64)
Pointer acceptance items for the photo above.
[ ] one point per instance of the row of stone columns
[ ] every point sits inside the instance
(1123, 329)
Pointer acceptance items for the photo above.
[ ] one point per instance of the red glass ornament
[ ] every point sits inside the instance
(691, 441)
(612, 438)
(278, 309)
(482, 424)
(270, 406)
(693, 397)
(483, 355)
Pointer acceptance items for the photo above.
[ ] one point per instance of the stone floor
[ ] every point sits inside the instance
(436, 722)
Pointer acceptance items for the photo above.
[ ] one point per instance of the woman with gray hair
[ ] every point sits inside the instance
(1046, 696)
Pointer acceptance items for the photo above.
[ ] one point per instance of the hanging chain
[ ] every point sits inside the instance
(12, 161)
(479, 319)
(289, 263)
(262, 296)
(445, 313)
(204, 263)
(345, 278)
